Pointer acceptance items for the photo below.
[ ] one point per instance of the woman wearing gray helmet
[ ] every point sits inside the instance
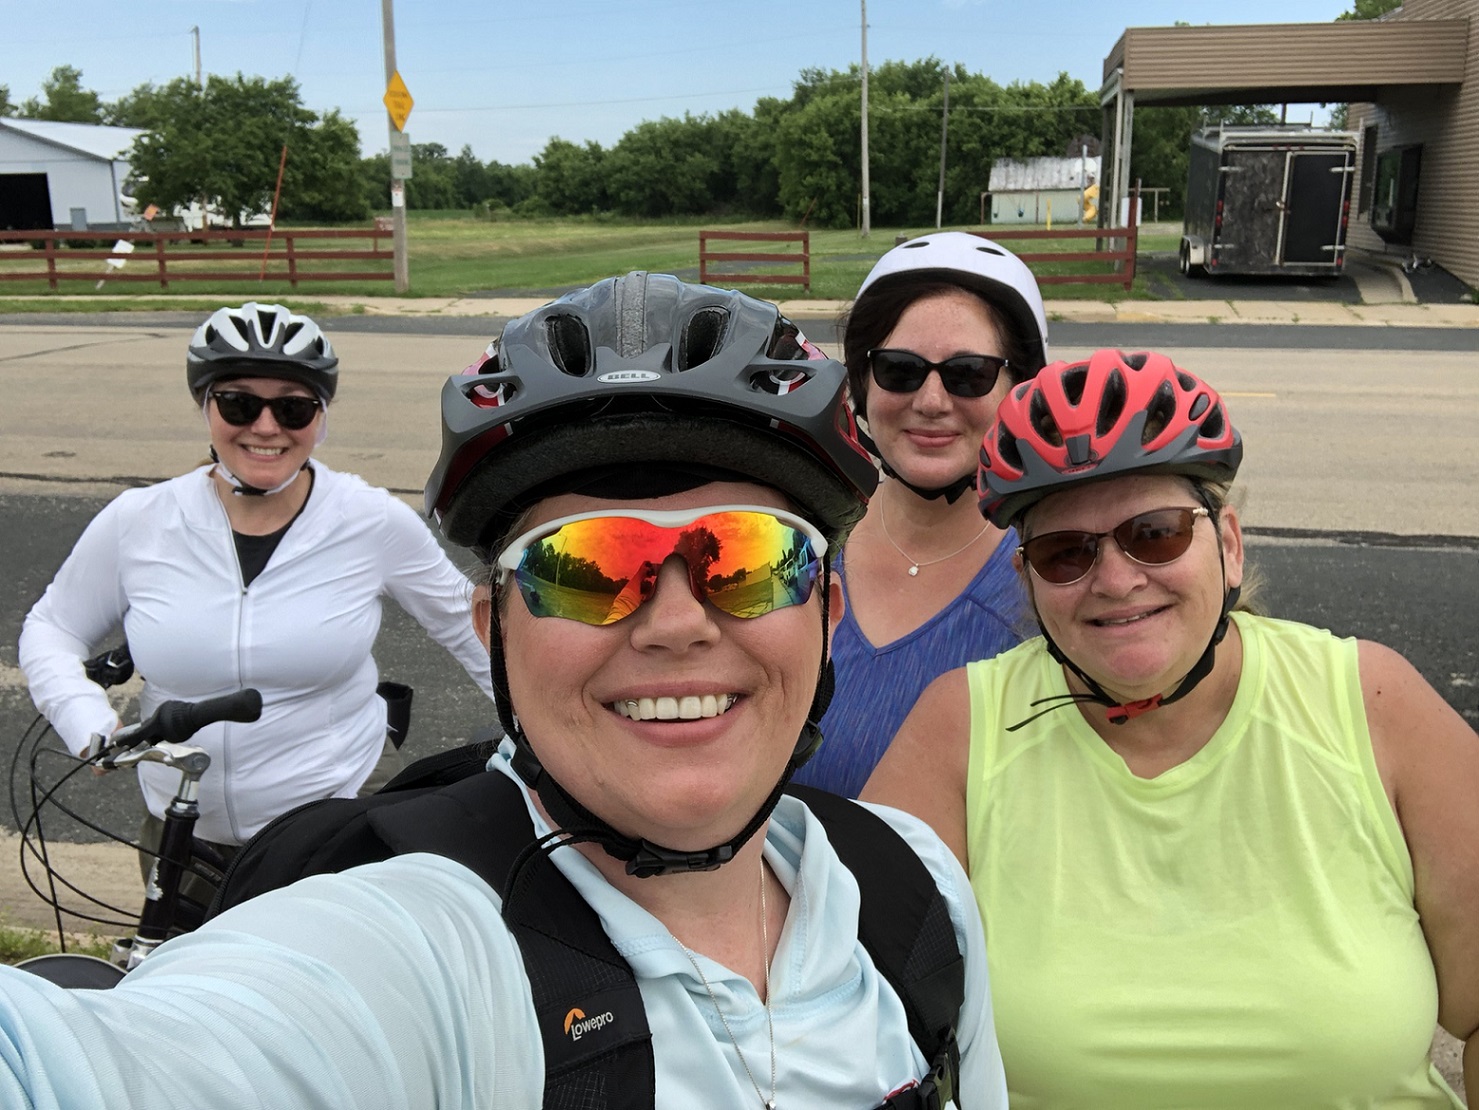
(655, 473)
(941, 328)
(263, 568)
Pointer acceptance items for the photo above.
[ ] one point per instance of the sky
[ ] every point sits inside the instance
(504, 78)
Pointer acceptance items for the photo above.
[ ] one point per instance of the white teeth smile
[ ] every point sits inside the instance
(267, 452)
(690, 708)
(1126, 620)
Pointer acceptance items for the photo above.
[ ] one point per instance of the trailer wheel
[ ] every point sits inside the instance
(1187, 269)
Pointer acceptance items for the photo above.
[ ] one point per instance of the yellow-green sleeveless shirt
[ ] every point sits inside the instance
(1237, 932)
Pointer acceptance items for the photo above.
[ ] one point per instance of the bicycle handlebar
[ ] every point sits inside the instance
(177, 721)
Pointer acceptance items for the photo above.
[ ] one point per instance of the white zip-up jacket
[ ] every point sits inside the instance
(161, 563)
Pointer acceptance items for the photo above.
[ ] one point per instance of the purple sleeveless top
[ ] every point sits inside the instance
(877, 686)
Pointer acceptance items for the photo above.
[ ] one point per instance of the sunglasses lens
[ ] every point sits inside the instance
(962, 376)
(240, 409)
(599, 570)
(1156, 537)
(1152, 539)
(1061, 557)
(294, 413)
(898, 371)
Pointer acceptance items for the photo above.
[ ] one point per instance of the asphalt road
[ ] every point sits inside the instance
(1361, 475)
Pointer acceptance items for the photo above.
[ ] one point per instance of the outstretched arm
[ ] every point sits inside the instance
(924, 770)
(1429, 759)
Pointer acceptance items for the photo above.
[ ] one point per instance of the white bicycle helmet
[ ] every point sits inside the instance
(260, 341)
(969, 260)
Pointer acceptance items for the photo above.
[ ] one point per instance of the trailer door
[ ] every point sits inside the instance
(1315, 190)
(1252, 182)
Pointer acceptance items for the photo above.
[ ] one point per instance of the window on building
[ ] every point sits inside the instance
(1368, 169)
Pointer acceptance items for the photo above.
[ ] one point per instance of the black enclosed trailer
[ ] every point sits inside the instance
(1267, 200)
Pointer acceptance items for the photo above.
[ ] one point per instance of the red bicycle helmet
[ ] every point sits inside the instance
(1109, 415)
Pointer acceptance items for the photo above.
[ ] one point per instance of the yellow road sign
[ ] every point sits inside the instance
(398, 101)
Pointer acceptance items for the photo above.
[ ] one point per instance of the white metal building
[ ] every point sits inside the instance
(1039, 189)
(63, 175)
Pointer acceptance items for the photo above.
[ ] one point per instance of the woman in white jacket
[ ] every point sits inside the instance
(262, 569)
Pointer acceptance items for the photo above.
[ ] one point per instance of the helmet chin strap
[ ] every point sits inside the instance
(644, 858)
(242, 489)
(1117, 711)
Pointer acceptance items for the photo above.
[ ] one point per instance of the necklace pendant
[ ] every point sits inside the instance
(913, 573)
(770, 1104)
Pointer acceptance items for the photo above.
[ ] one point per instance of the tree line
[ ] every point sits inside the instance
(796, 159)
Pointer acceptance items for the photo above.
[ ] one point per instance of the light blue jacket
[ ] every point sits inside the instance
(396, 985)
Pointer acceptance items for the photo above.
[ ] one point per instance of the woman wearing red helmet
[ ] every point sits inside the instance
(1223, 860)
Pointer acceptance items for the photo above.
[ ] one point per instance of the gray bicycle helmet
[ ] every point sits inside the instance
(646, 369)
(260, 341)
(961, 258)
(640, 379)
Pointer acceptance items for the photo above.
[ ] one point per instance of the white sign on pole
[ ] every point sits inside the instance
(397, 195)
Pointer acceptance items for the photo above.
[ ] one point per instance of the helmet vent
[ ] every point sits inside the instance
(1074, 381)
(1006, 448)
(702, 335)
(241, 326)
(1188, 383)
(1214, 427)
(570, 345)
(1111, 402)
(210, 335)
(292, 329)
(989, 250)
(1135, 361)
(915, 245)
(1159, 413)
(267, 321)
(1199, 406)
(1042, 420)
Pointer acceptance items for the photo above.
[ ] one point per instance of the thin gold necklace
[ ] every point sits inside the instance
(915, 564)
(767, 1103)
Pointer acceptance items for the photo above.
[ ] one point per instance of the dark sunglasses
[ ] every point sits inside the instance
(241, 409)
(599, 567)
(1151, 539)
(962, 376)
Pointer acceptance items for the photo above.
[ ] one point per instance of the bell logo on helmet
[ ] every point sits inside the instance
(617, 376)
(577, 1024)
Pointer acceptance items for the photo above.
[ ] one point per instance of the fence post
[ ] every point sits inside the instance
(703, 258)
(287, 237)
(51, 262)
(806, 245)
(163, 265)
(1132, 226)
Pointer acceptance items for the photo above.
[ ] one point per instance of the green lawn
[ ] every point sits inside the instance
(454, 254)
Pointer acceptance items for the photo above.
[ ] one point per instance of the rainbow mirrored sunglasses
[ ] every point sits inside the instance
(598, 567)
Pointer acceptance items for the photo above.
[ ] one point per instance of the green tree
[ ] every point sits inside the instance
(571, 178)
(224, 143)
(663, 168)
(6, 107)
(64, 99)
(321, 179)
(140, 108)
(1370, 9)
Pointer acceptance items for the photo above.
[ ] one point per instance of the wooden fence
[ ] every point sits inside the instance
(1121, 259)
(709, 276)
(162, 257)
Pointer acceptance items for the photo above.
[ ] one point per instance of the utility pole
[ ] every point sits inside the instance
(199, 75)
(867, 218)
(944, 126)
(397, 187)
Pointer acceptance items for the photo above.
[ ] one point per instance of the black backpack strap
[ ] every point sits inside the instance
(904, 924)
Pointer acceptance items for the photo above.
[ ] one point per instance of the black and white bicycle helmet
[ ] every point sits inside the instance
(960, 258)
(646, 369)
(260, 341)
(632, 377)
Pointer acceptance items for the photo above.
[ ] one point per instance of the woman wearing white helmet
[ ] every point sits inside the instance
(941, 329)
(263, 568)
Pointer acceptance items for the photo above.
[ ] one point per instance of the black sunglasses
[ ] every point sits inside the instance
(1151, 539)
(239, 409)
(962, 376)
